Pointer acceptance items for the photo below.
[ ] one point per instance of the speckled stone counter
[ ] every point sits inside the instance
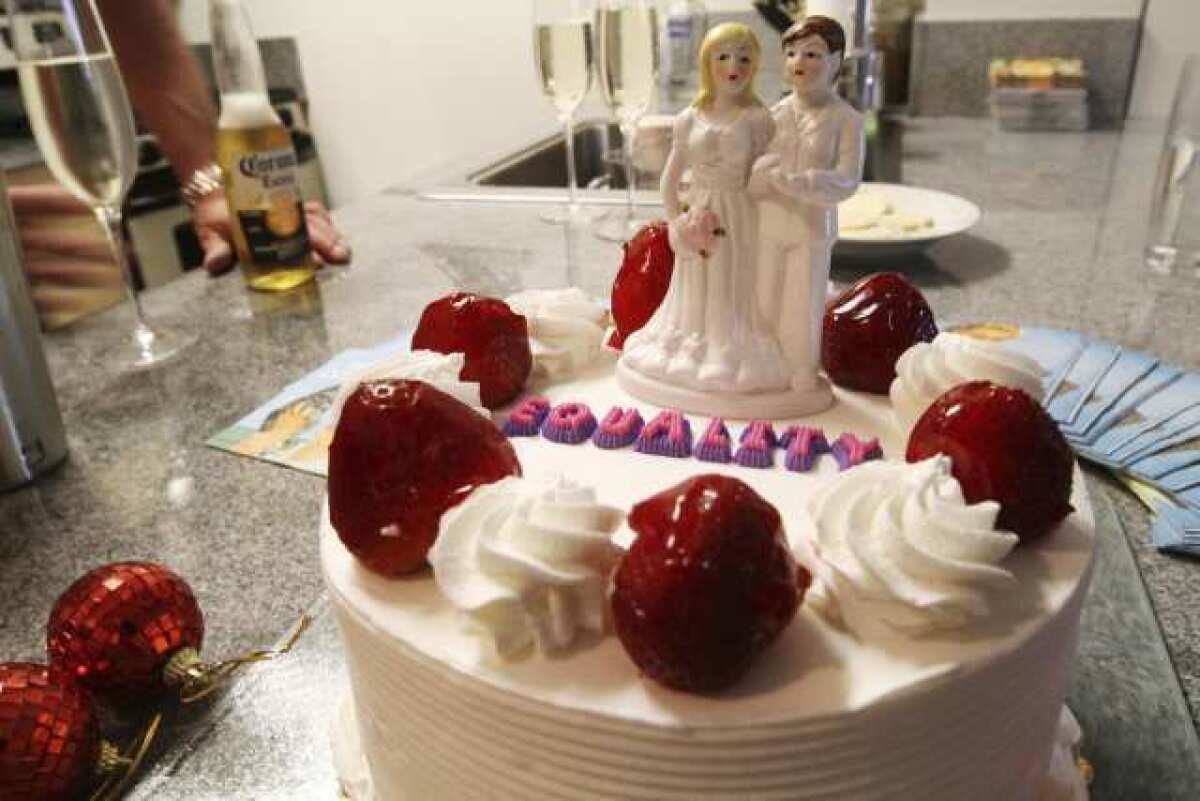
(1058, 245)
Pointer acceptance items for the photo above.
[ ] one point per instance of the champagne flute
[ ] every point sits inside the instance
(628, 34)
(81, 119)
(562, 50)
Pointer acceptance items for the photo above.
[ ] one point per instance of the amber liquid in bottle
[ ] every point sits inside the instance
(258, 160)
(265, 207)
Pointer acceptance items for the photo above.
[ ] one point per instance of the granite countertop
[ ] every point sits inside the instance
(1058, 245)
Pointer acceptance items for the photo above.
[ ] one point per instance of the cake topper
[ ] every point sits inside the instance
(709, 347)
(813, 163)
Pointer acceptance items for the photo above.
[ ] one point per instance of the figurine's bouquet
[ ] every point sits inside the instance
(696, 230)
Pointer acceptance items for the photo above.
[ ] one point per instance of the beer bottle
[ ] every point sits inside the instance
(258, 161)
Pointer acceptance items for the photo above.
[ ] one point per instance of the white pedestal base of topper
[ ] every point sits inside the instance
(779, 405)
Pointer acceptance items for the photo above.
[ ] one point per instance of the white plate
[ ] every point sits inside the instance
(950, 214)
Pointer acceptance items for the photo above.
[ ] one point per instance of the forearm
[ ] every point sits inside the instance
(828, 187)
(832, 186)
(669, 185)
(163, 80)
(760, 185)
(838, 184)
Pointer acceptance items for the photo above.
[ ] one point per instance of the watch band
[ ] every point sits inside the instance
(204, 182)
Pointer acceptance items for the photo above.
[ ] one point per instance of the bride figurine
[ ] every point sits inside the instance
(707, 348)
(814, 162)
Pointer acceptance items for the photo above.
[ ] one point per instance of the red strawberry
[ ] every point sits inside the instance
(494, 339)
(868, 326)
(402, 454)
(707, 585)
(1004, 448)
(642, 281)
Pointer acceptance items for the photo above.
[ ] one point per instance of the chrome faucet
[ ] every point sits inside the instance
(861, 82)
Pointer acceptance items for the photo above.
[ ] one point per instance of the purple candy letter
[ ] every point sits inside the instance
(526, 419)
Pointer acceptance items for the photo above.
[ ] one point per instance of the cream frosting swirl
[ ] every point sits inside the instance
(440, 370)
(528, 563)
(927, 370)
(896, 543)
(566, 328)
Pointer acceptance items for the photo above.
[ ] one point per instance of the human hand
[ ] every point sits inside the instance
(67, 258)
(760, 185)
(795, 184)
(768, 161)
(210, 217)
(780, 180)
(278, 428)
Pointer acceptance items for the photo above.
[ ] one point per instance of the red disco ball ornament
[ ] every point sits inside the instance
(126, 628)
(49, 738)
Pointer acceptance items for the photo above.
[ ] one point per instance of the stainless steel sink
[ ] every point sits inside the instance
(538, 173)
(544, 164)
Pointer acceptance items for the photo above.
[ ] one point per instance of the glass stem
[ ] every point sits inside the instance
(572, 179)
(110, 221)
(627, 158)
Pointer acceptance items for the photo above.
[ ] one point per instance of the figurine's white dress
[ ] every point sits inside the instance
(709, 335)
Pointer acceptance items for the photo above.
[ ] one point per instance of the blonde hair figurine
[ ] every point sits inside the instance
(707, 349)
(723, 35)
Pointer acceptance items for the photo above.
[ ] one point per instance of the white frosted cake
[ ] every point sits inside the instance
(959, 700)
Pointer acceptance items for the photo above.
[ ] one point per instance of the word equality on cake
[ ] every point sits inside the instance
(669, 434)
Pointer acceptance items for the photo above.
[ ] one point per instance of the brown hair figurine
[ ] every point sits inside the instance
(829, 29)
(813, 163)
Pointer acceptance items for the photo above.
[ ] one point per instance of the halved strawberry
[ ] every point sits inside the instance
(707, 585)
(402, 454)
(869, 326)
(492, 337)
(1003, 447)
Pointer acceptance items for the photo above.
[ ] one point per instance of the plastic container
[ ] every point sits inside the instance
(1064, 109)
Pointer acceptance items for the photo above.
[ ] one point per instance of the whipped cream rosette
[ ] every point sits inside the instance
(440, 370)
(528, 563)
(566, 328)
(896, 544)
(928, 370)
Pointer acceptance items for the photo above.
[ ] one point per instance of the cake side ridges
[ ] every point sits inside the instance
(396, 607)
(822, 715)
(762, 766)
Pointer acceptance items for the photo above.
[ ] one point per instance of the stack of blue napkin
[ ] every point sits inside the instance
(1129, 412)
(1175, 525)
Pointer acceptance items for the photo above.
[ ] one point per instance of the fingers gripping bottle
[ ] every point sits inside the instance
(258, 161)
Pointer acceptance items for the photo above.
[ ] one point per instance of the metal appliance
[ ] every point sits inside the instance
(32, 439)
(861, 80)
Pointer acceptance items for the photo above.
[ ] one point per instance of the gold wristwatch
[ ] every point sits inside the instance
(204, 182)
